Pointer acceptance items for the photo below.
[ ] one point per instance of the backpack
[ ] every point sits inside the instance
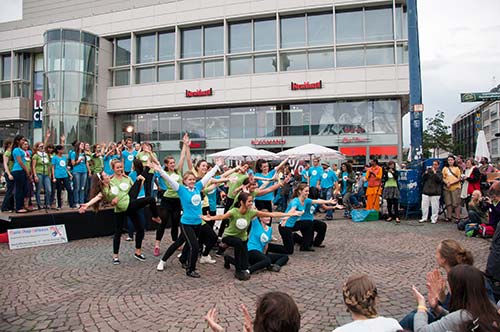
(486, 231)
(471, 229)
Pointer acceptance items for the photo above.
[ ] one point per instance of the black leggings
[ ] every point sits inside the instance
(259, 260)
(189, 234)
(173, 208)
(319, 227)
(240, 260)
(392, 207)
(305, 227)
(207, 237)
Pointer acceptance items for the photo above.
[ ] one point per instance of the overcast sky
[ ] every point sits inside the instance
(459, 50)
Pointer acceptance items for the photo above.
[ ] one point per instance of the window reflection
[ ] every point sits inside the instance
(320, 29)
(217, 123)
(349, 26)
(293, 31)
(193, 122)
(378, 24)
(243, 122)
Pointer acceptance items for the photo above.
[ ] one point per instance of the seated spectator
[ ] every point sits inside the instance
(276, 312)
(492, 271)
(448, 254)
(493, 206)
(470, 308)
(360, 298)
(478, 208)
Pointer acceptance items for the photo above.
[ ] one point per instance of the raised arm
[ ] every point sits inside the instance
(290, 213)
(269, 189)
(180, 164)
(204, 180)
(277, 168)
(171, 182)
(188, 153)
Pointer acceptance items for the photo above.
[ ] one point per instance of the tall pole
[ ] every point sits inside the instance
(416, 121)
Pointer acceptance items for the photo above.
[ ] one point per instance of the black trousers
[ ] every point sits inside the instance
(259, 260)
(319, 227)
(240, 260)
(305, 228)
(392, 207)
(189, 234)
(173, 207)
(261, 205)
(207, 238)
(224, 223)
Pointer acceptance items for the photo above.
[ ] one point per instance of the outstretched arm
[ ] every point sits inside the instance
(226, 215)
(94, 200)
(204, 180)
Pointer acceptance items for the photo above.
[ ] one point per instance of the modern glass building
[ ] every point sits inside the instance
(270, 74)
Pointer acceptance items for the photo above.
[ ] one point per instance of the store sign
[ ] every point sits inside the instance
(355, 139)
(199, 93)
(479, 96)
(36, 236)
(275, 141)
(37, 108)
(307, 85)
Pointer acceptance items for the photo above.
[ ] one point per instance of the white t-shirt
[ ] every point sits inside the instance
(379, 324)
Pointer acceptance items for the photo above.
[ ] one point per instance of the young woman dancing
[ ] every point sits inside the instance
(122, 194)
(236, 234)
(190, 196)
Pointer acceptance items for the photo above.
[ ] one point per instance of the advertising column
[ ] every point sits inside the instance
(38, 98)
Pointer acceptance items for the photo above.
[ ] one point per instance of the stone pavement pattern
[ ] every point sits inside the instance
(74, 287)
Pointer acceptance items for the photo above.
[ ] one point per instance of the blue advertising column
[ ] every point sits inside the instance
(416, 118)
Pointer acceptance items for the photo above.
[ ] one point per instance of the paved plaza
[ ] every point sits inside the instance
(74, 287)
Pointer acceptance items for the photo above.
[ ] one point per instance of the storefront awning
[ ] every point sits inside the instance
(353, 151)
(383, 150)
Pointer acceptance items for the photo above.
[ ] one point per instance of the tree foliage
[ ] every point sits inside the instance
(437, 136)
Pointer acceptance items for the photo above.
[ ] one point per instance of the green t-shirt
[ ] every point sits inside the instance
(96, 164)
(391, 181)
(43, 164)
(235, 180)
(239, 223)
(119, 188)
(144, 157)
(10, 163)
(177, 176)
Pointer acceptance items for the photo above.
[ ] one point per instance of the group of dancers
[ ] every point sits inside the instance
(246, 224)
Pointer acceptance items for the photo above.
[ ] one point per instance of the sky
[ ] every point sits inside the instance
(459, 51)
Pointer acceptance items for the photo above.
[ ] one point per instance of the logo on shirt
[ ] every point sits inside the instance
(131, 157)
(314, 172)
(45, 160)
(264, 238)
(114, 190)
(123, 186)
(241, 223)
(233, 179)
(144, 158)
(62, 163)
(324, 175)
(175, 177)
(196, 200)
(312, 210)
(27, 158)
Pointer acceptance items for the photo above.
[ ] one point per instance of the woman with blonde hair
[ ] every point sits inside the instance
(360, 297)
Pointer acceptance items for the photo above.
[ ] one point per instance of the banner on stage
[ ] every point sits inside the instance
(37, 236)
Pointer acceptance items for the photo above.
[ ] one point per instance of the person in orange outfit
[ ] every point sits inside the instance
(374, 190)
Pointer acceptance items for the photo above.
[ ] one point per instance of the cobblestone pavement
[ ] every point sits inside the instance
(74, 287)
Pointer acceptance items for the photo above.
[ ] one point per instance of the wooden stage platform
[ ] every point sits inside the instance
(78, 226)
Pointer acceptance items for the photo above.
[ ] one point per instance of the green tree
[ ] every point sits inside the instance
(437, 136)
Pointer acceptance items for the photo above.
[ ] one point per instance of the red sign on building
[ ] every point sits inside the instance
(199, 93)
(307, 85)
(274, 141)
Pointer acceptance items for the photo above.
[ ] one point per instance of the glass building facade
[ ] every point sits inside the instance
(70, 97)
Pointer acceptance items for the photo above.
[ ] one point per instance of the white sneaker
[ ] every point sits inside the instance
(422, 220)
(179, 255)
(77, 206)
(207, 260)
(161, 266)
(434, 222)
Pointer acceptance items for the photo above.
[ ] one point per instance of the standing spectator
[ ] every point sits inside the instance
(492, 271)
(347, 180)
(8, 162)
(451, 189)
(328, 180)
(431, 192)
(304, 175)
(485, 168)
(374, 177)
(460, 163)
(391, 191)
(471, 180)
(286, 190)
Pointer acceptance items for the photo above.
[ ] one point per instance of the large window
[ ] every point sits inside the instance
(349, 26)
(122, 52)
(296, 120)
(204, 42)
(360, 25)
(319, 29)
(166, 46)
(378, 24)
(170, 126)
(240, 37)
(264, 31)
(217, 123)
(243, 122)
(193, 122)
(293, 31)
(146, 48)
